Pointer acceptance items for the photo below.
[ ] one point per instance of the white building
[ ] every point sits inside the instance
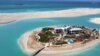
(68, 30)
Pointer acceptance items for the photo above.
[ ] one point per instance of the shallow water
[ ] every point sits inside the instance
(10, 33)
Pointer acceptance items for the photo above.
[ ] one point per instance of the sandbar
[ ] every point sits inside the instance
(95, 20)
(11, 17)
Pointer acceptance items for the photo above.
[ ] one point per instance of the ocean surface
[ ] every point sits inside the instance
(11, 32)
(24, 6)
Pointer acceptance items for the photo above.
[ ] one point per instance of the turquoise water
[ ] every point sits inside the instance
(10, 33)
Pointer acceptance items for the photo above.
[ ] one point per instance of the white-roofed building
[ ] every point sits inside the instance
(62, 29)
(68, 30)
(76, 30)
(59, 29)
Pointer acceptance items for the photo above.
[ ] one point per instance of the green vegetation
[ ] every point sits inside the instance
(43, 38)
(46, 35)
(60, 43)
(47, 29)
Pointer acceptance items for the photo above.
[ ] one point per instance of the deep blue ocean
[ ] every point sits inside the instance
(10, 32)
(24, 6)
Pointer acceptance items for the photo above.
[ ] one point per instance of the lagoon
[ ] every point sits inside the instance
(10, 33)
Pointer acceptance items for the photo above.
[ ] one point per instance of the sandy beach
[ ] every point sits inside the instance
(23, 46)
(22, 41)
(95, 20)
(10, 17)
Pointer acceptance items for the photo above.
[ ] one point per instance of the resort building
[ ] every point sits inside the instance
(68, 30)
(66, 35)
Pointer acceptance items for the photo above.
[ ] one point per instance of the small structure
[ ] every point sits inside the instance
(58, 30)
(75, 30)
(68, 30)
(62, 29)
(69, 41)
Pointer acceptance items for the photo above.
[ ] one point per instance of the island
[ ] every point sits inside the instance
(59, 39)
(6, 18)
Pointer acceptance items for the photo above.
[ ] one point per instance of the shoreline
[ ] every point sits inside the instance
(95, 20)
(11, 17)
(83, 48)
(87, 46)
(22, 45)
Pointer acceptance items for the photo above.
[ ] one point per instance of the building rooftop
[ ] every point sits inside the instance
(74, 29)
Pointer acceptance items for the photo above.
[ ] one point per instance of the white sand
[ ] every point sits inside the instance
(79, 49)
(23, 44)
(9, 17)
(95, 20)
